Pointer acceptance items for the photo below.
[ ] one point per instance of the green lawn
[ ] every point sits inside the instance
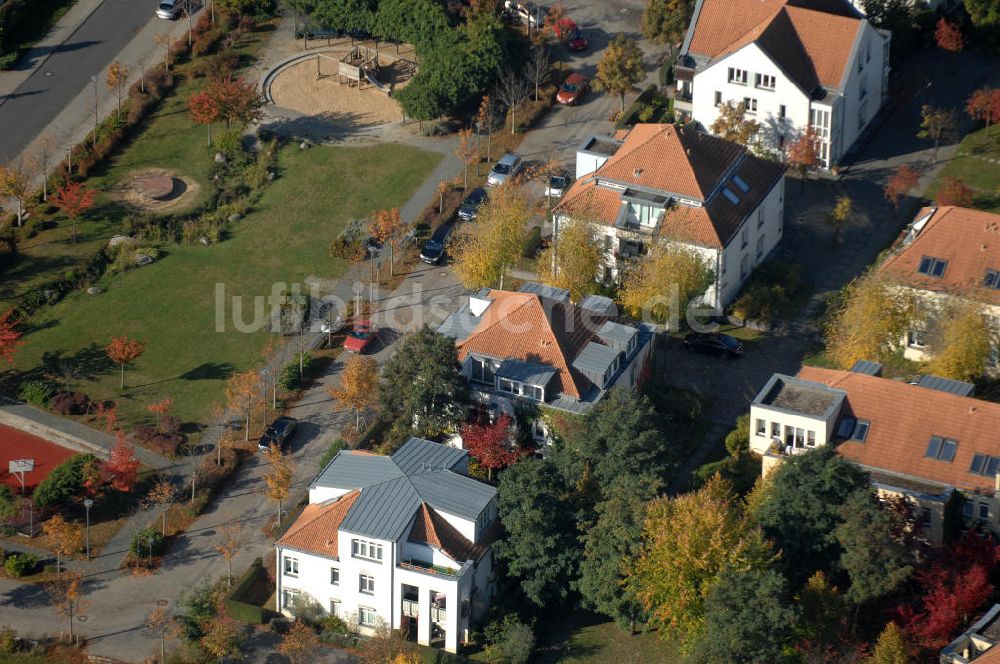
(582, 641)
(171, 304)
(970, 167)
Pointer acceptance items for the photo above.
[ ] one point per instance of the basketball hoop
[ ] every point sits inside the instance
(19, 467)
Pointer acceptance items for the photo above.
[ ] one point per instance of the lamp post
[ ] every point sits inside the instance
(93, 79)
(87, 504)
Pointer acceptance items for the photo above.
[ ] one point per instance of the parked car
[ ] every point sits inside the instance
(504, 169)
(434, 248)
(472, 203)
(714, 343)
(572, 89)
(168, 9)
(361, 337)
(277, 433)
(569, 34)
(557, 186)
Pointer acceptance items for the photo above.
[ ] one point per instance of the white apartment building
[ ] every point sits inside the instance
(794, 63)
(402, 540)
(664, 183)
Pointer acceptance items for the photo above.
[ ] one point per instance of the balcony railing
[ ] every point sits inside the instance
(421, 566)
(438, 615)
(410, 608)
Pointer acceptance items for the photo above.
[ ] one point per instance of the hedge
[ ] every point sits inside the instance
(240, 610)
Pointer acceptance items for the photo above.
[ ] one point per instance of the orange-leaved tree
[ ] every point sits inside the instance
(237, 99)
(279, 478)
(122, 466)
(803, 154)
(118, 81)
(10, 336)
(386, 227)
(122, 351)
(67, 597)
(948, 37)
(467, 152)
(954, 192)
(358, 388)
(984, 104)
(73, 199)
(63, 538)
(242, 391)
(901, 182)
(204, 110)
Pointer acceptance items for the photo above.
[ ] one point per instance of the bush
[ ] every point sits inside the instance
(770, 293)
(35, 392)
(279, 625)
(7, 61)
(20, 564)
(329, 624)
(533, 243)
(196, 609)
(738, 440)
(666, 74)
(145, 542)
(159, 439)
(650, 106)
(290, 378)
(70, 403)
(65, 482)
(509, 641)
(8, 640)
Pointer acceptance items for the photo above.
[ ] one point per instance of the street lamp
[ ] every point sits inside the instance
(87, 504)
(94, 81)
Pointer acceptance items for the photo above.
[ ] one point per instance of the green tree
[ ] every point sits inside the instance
(732, 124)
(876, 559)
(869, 321)
(891, 648)
(983, 13)
(823, 609)
(961, 341)
(803, 507)
(8, 503)
(665, 21)
(539, 545)
(422, 389)
(661, 284)
(688, 541)
(897, 16)
(738, 440)
(621, 69)
(748, 618)
(66, 481)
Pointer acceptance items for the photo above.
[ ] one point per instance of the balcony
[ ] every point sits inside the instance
(410, 608)
(427, 568)
(438, 614)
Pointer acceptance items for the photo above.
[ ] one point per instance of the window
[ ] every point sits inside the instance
(482, 369)
(760, 216)
(860, 430)
(761, 427)
(985, 465)
(765, 81)
(744, 237)
(992, 279)
(861, 63)
(366, 616)
(781, 112)
(744, 267)
(967, 509)
(819, 120)
(942, 449)
(718, 98)
(607, 242)
(926, 518)
(916, 338)
(863, 92)
(751, 105)
(509, 386)
(722, 261)
(737, 76)
(846, 427)
(800, 437)
(775, 430)
(932, 267)
(810, 439)
(984, 512)
(334, 576)
(335, 607)
(291, 566)
(862, 115)
(366, 584)
(288, 596)
(367, 550)
(760, 246)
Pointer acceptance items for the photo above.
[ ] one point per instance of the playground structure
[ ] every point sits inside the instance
(358, 66)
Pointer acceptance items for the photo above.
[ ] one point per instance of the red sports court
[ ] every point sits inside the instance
(16, 444)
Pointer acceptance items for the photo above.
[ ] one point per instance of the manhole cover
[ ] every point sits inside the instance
(81, 618)
(48, 73)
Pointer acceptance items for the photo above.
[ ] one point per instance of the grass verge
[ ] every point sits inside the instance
(972, 165)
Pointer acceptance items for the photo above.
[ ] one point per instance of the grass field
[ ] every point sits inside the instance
(171, 304)
(970, 165)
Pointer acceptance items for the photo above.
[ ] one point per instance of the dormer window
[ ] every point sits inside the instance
(932, 267)
(853, 429)
(942, 449)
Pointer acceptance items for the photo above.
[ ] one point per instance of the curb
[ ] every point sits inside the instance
(272, 73)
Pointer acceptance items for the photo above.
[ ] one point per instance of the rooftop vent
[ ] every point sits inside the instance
(637, 172)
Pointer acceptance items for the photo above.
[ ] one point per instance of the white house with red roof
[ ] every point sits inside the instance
(794, 64)
(402, 540)
(664, 183)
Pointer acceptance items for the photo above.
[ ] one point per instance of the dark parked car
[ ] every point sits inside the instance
(714, 343)
(434, 248)
(277, 434)
(471, 204)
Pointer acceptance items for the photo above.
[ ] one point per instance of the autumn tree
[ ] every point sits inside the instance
(495, 242)
(122, 351)
(160, 497)
(66, 595)
(891, 647)
(236, 98)
(803, 154)
(839, 215)
(868, 322)
(242, 392)
(73, 199)
(620, 69)
(122, 467)
(159, 624)
(660, 285)
(358, 389)
(902, 181)
(666, 21)
(223, 636)
(513, 90)
(573, 259)
(15, 183)
(299, 644)
(948, 37)
(688, 542)
(386, 227)
(467, 152)
(117, 82)
(45, 152)
(557, 12)
(491, 444)
(10, 336)
(937, 125)
(733, 125)
(960, 341)
(279, 477)
(485, 117)
(984, 104)
(231, 538)
(62, 538)
(954, 192)
(204, 110)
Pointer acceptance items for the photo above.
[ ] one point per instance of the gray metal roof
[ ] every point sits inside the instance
(599, 304)
(383, 510)
(617, 333)
(460, 324)
(418, 454)
(356, 471)
(455, 494)
(867, 367)
(595, 358)
(532, 373)
(551, 292)
(946, 385)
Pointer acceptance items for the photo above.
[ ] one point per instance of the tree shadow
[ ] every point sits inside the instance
(84, 365)
(209, 371)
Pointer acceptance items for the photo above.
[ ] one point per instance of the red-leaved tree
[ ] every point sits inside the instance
(954, 192)
(204, 110)
(803, 154)
(122, 351)
(901, 182)
(984, 104)
(10, 336)
(490, 444)
(948, 37)
(73, 199)
(122, 467)
(237, 99)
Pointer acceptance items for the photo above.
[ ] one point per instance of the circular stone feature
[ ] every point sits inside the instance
(156, 185)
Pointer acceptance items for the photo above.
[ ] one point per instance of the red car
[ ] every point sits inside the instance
(568, 32)
(572, 89)
(360, 337)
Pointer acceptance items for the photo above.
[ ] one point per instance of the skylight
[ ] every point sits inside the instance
(992, 279)
(741, 183)
(942, 449)
(730, 196)
(932, 267)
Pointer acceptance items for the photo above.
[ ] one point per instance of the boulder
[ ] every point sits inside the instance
(117, 240)
(220, 158)
(304, 145)
(94, 290)
(204, 240)
(233, 218)
(143, 259)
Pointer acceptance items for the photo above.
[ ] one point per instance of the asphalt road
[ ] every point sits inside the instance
(88, 52)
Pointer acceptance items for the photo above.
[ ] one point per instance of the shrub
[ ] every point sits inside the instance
(738, 440)
(509, 640)
(147, 540)
(329, 624)
(7, 60)
(196, 609)
(8, 640)
(70, 403)
(290, 378)
(66, 481)
(770, 292)
(666, 74)
(533, 243)
(279, 625)
(20, 564)
(35, 392)
(166, 441)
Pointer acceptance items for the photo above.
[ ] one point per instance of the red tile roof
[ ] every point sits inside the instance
(968, 239)
(431, 528)
(991, 656)
(904, 417)
(315, 531)
(810, 39)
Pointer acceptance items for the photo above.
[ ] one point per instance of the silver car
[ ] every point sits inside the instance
(168, 9)
(504, 169)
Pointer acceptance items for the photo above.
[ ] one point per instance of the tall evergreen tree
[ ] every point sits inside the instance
(874, 557)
